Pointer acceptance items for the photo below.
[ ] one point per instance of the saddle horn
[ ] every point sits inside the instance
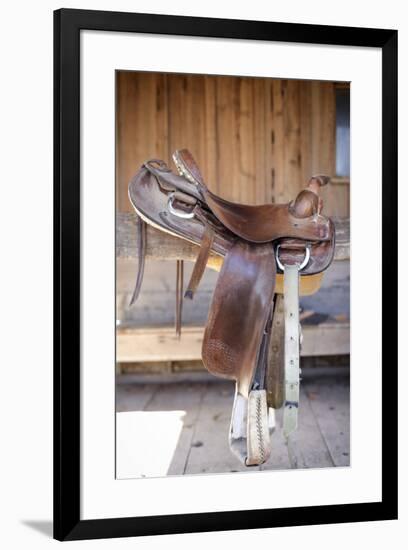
(308, 202)
(318, 181)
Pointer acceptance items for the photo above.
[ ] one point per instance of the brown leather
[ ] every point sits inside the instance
(149, 192)
(275, 378)
(179, 295)
(141, 235)
(305, 205)
(148, 195)
(269, 222)
(186, 164)
(200, 263)
(236, 337)
(238, 313)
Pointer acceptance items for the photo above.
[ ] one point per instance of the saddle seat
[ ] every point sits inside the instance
(267, 222)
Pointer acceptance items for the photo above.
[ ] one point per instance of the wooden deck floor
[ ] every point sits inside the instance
(181, 428)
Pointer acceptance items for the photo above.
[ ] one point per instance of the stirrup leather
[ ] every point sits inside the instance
(292, 341)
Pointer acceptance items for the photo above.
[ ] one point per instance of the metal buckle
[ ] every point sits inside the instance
(301, 266)
(178, 213)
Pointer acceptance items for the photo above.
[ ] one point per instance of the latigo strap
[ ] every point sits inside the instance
(292, 338)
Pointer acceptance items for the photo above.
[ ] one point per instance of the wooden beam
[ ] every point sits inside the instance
(162, 246)
(161, 344)
(159, 245)
(158, 344)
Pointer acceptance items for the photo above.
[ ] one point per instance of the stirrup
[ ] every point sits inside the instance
(251, 428)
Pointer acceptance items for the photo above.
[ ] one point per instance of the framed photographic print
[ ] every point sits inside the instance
(225, 236)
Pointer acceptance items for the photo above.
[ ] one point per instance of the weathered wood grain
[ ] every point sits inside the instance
(210, 451)
(323, 123)
(336, 197)
(329, 400)
(141, 126)
(307, 446)
(159, 245)
(162, 246)
(321, 441)
(235, 138)
(191, 116)
(180, 397)
(292, 159)
(133, 397)
(277, 155)
(279, 459)
(161, 344)
(158, 344)
(257, 140)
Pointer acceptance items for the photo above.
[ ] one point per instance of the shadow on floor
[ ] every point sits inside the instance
(42, 526)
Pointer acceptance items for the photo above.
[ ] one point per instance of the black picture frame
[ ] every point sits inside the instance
(67, 26)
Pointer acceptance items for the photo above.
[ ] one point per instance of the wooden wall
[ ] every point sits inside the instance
(256, 140)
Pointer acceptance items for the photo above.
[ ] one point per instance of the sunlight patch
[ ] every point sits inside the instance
(146, 442)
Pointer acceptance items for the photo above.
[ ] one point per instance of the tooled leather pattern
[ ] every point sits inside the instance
(219, 358)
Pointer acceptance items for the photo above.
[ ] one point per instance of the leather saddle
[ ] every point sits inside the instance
(256, 243)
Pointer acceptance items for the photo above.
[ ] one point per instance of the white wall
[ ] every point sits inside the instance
(26, 266)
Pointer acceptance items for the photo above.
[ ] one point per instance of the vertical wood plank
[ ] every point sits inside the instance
(318, 150)
(336, 198)
(261, 139)
(284, 120)
(245, 132)
(292, 179)
(191, 104)
(306, 133)
(210, 133)
(323, 145)
(185, 116)
(276, 121)
(141, 126)
(307, 447)
(227, 103)
(256, 140)
(269, 141)
(323, 127)
(330, 402)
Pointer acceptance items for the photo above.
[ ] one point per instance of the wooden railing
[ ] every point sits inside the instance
(162, 246)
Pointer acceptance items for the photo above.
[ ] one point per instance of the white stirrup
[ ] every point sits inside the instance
(251, 428)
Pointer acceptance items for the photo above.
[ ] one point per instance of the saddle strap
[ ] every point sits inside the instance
(179, 295)
(275, 376)
(141, 227)
(201, 262)
(292, 337)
